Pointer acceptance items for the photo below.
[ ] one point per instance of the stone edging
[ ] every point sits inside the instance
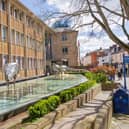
(64, 109)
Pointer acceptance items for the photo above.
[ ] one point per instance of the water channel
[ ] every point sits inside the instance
(33, 90)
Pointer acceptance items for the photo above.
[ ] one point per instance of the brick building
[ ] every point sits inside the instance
(65, 47)
(27, 40)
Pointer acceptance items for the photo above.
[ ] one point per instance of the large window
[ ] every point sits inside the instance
(12, 36)
(0, 61)
(22, 39)
(18, 61)
(65, 50)
(4, 33)
(16, 13)
(3, 5)
(17, 38)
(64, 36)
(28, 42)
(4, 59)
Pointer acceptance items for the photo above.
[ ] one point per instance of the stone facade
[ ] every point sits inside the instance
(65, 47)
(27, 40)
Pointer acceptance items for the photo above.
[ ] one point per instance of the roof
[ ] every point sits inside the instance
(64, 29)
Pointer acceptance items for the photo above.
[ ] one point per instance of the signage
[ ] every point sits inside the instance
(126, 59)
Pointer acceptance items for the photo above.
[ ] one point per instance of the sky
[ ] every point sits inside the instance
(86, 44)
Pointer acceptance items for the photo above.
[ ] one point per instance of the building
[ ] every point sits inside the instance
(91, 59)
(27, 40)
(86, 60)
(65, 47)
(22, 39)
(105, 58)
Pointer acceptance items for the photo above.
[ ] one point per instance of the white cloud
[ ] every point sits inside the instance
(93, 44)
(61, 5)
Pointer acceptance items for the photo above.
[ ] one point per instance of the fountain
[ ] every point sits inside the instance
(31, 91)
(11, 71)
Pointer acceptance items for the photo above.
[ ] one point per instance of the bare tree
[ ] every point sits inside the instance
(125, 4)
(102, 15)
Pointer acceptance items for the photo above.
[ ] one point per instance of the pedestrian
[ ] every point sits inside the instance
(126, 69)
(121, 71)
(119, 75)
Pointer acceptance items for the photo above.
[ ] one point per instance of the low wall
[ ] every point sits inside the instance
(110, 86)
(104, 116)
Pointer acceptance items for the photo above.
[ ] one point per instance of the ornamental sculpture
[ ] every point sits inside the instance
(11, 71)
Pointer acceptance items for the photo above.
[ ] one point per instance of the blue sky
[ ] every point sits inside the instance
(86, 45)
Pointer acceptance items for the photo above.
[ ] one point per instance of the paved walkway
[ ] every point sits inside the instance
(87, 111)
(122, 81)
(121, 121)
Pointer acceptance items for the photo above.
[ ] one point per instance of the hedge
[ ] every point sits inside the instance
(45, 106)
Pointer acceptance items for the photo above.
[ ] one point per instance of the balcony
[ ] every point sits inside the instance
(39, 55)
(3, 18)
(17, 24)
(29, 31)
(3, 48)
(39, 36)
(30, 52)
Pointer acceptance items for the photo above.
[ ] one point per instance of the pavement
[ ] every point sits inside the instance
(122, 81)
(87, 111)
(121, 121)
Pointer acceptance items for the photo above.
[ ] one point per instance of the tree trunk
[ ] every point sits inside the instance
(125, 4)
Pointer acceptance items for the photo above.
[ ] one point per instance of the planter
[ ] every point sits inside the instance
(110, 86)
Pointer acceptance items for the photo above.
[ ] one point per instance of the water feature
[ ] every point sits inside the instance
(31, 91)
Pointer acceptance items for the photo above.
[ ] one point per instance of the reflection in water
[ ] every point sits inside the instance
(27, 91)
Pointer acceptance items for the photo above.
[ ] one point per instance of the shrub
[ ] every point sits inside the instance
(74, 91)
(39, 109)
(53, 102)
(98, 77)
(45, 106)
(101, 78)
(90, 75)
(66, 95)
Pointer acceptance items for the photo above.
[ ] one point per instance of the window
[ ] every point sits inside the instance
(21, 62)
(12, 36)
(5, 59)
(4, 33)
(28, 42)
(64, 37)
(65, 50)
(0, 61)
(11, 11)
(13, 59)
(22, 39)
(65, 63)
(3, 4)
(16, 13)
(35, 63)
(21, 16)
(18, 60)
(17, 37)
